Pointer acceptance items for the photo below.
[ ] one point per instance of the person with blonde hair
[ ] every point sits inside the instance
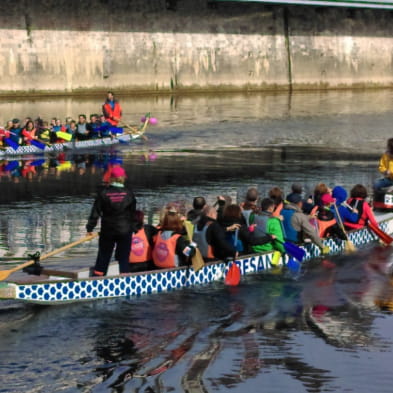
(171, 248)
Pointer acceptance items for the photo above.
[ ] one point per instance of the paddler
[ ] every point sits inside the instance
(386, 167)
(116, 206)
(112, 109)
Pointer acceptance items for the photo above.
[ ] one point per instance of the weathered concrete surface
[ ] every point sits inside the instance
(72, 46)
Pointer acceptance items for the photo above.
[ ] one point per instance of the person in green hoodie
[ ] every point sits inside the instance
(267, 224)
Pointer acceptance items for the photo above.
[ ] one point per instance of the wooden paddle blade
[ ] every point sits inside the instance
(232, 277)
(349, 246)
(381, 234)
(4, 274)
(294, 251)
(197, 260)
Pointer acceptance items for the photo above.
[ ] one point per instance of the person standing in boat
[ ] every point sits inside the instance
(112, 109)
(116, 206)
(142, 245)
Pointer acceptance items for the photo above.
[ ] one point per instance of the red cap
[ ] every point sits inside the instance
(117, 172)
(327, 199)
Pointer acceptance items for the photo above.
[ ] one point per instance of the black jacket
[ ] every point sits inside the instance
(116, 208)
(215, 236)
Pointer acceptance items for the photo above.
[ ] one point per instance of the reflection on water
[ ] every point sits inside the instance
(323, 332)
(54, 201)
(328, 329)
(349, 120)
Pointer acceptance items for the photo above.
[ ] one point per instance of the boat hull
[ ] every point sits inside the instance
(68, 146)
(61, 290)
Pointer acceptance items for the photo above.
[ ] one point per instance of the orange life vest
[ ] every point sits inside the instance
(140, 247)
(164, 251)
(29, 134)
(110, 113)
(324, 225)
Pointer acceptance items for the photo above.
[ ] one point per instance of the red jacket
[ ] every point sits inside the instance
(366, 214)
(112, 115)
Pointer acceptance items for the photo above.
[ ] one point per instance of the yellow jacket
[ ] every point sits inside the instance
(386, 165)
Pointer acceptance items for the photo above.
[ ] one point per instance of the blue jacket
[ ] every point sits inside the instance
(290, 233)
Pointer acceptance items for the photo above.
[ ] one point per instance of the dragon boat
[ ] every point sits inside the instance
(57, 287)
(124, 134)
(69, 146)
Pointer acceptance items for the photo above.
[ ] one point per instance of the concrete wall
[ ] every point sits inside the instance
(71, 46)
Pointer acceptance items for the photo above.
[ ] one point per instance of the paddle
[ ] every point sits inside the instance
(381, 234)
(64, 135)
(38, 144)
(349, 246)
(233, 274)
(293, 250)
(5, 273)
(232, 277)
(11, 143)
(140, 131)
(197, 260)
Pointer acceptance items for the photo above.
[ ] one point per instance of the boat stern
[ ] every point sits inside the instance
(7, 291)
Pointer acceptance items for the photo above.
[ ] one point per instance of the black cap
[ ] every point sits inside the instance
(294, 197)
(15, 121)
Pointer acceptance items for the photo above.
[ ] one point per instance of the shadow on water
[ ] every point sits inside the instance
(269, 328)
(80, 174)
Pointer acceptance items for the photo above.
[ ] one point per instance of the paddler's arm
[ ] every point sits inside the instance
(95, 214)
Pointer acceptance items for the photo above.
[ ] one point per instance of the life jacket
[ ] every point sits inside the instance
(164, 251)
(29, 135)
(199, 237)
(45, 135)
(4, 133)
(278, 209)
(248, 216)
(140, 247)
(260, 221)
(325, 220)
(109, 112)
(290, 233)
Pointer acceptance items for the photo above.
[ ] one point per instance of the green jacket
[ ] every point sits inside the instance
(273, 227)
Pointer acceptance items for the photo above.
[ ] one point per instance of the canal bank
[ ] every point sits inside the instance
(78, 47)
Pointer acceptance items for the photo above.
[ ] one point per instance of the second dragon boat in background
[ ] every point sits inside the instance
(119, 135)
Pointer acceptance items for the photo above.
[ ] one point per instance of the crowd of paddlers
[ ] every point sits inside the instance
(225, 229)
(36, 131)
(25, 132)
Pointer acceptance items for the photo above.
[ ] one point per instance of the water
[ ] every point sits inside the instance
(327, 331)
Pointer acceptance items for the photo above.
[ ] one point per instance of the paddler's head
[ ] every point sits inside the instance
(117, 175)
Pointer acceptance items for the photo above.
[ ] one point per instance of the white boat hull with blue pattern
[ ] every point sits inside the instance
(54, 290)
